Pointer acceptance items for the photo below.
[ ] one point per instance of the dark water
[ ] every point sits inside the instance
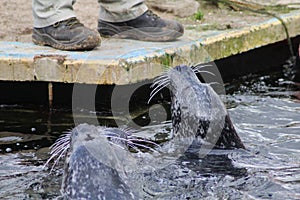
(264, 109)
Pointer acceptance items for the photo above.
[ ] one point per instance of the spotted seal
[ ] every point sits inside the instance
(95, 162)
(97, 155)
(197, 110)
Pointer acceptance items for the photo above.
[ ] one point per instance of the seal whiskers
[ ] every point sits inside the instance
(98, 161)
(159, 83)
(59, 149)
(122, 138)
(197, 69)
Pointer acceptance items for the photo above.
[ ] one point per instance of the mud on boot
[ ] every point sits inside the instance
(147, 27)
(69, 34)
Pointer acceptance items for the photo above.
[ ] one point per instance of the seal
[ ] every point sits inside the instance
(197, 111)
(96, 158)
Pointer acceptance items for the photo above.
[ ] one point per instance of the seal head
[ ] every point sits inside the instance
(197, 110)
(91, 170)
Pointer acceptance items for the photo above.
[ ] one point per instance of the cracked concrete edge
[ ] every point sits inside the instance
(132, 70)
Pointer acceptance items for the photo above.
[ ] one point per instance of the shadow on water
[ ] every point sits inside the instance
(264, 109)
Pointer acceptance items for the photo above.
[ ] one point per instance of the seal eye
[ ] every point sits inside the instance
(74, 132)
(179, 68)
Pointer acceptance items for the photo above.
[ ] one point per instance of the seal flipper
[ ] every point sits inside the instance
(229, 137)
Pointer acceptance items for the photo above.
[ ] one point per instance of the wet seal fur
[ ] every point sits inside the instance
(95, 162)
(97, 155)
(197, 110)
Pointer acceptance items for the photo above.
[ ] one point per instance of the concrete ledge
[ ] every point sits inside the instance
(126, 61)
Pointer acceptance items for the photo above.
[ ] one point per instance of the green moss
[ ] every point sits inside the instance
(167, 60)
(198, 15)
(279, 8)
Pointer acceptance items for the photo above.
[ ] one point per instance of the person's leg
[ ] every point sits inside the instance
(46, 13)
(121, 10)
(132, 19)
(55, 25)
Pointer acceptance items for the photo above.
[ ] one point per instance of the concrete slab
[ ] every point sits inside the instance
(127, 61)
